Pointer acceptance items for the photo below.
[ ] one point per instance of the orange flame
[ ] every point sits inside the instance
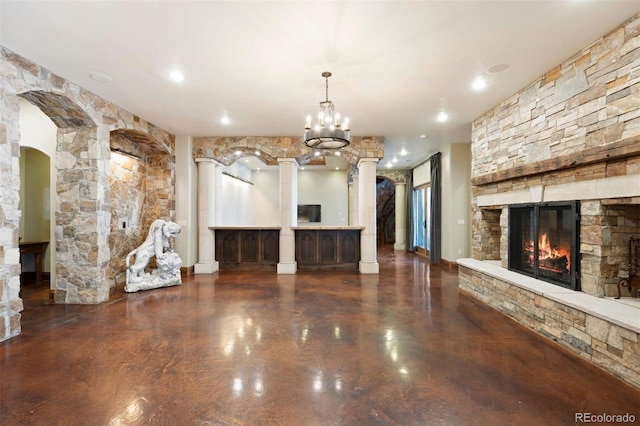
(546, 251)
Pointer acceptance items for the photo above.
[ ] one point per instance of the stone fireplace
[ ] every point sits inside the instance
(601, 258)
(569, 141)
(543, 242)
(597, 256)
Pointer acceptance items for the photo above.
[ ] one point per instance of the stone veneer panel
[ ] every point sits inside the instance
(608, 345)
(590, 100)
(588, 104)
(82, 160)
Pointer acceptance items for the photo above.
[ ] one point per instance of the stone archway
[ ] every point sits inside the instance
(82, 215)
(80, 234)
(141, 186)
(393, 180)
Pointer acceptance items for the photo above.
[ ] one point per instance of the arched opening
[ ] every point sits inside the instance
(37, 204)
(140, 186)
(79, 234)
(385, 210)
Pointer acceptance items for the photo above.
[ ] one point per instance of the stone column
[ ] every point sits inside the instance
(367, 211)
(354, 194)
(288, 214)
(208, 186)
(401, 206)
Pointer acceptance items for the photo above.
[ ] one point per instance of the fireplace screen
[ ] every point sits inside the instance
(543, 242)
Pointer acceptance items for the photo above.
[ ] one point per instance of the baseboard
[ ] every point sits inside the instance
(186, 271)
(450, 266)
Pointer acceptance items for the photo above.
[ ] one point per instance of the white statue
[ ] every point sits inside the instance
(168, 261)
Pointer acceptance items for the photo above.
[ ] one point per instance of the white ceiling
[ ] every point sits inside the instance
(395, 64)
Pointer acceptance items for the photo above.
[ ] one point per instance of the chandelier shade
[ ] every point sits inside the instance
(329, 132)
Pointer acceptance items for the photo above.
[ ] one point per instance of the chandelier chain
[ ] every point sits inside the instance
(326, 95)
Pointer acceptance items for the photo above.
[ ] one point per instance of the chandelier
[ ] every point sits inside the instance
(329, 132)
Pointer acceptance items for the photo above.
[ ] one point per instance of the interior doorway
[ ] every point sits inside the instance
(422, 219)
(37, 206)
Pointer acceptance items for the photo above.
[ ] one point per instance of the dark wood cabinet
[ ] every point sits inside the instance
(318, 249)
(247, 249)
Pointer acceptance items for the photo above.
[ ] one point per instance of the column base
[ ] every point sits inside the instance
(400, 246)
(287, 268)
(206, 268)
(369, 268)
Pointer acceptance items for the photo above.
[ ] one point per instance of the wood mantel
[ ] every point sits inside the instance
(624, 148)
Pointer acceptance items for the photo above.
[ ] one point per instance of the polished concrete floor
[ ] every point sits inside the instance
(400, 348)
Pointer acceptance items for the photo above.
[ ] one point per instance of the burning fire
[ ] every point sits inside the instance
(548, 252)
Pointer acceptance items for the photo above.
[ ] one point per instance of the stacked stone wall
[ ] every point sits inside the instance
(608, 345)
(591, 99)
(84, 122)
(622, 222)
(10, 303)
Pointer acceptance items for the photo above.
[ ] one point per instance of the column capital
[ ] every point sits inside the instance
(288, 160)
(207, 160)
(367, 160)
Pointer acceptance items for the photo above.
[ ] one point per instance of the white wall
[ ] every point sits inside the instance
(422, 174)
(265, 202)
(186, 244)
(38, 131)
(237, 202)
(259, 205)
(456, 201)
(329, 189)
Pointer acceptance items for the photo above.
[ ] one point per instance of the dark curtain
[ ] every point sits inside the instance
(436, 209)
(409, 214)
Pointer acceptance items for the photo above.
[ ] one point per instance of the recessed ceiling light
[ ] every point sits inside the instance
(176, 76)
(498, 68)
(479, 83)
(423, 136)
(102, 78)
(389, 165)
(443, 116)
(225, 120)
(395, 160)
(337, 168)
(403, 152)
(302, 168)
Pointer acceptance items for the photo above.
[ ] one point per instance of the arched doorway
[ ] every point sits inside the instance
(37, 204)
(385, 210)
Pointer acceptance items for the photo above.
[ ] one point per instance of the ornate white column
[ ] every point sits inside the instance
(367, 211)
(288, 214)
(208, 191)
(401, 217)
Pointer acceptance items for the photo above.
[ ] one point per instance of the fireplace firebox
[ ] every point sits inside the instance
(544, 242)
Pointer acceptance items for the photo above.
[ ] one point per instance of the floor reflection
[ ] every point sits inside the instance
(401, 347)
